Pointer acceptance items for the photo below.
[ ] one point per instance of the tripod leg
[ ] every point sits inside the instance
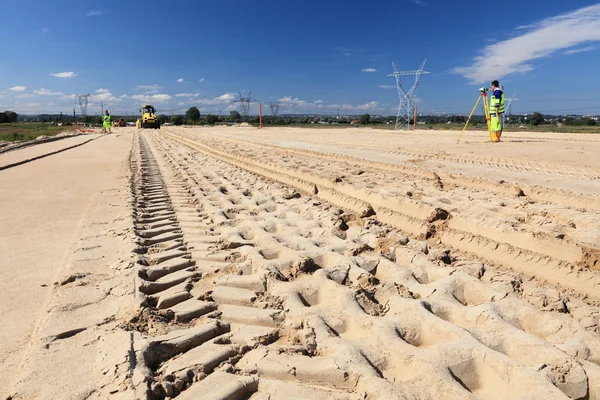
(469, 119)
(491, 132)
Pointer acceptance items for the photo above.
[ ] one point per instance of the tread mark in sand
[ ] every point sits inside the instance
(255, 297)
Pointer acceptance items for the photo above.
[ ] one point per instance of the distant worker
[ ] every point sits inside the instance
(106, 122)
(496, 111)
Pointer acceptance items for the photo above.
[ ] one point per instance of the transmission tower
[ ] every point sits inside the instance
(82, 100)
(244, 103)
(508, 114)
(274, 108)
(407, 97)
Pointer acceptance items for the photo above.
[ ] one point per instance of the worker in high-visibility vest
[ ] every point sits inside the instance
(496, 111)
(106, 122)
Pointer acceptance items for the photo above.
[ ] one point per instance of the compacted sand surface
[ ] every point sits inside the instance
(237, 263)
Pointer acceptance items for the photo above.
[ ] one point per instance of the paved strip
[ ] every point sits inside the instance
(23, 156)
(45, 208)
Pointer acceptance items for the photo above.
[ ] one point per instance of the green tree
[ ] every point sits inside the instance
(12, 116)
(193, 115)
(4, 118)
(163, 118)
(234, 116)
(211, 119)
(536, 119)
(177, 120)
(364, 119)
(590, 122)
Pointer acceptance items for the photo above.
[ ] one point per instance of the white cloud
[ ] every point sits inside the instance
(155, 98)
(25, 96)
(149, 88)
(17, 88)
(45, 30)
(581, 50)
(297, 104)
(123, 96)
(103, 95)
(223, 99)
(541, 39)
(187, 95)
(226, 97)
(369, 106)
(201, 80)
(63, 74)
(94, 13)
(387, 86)
(45, 92)
(180, 80)
(368, 70)
(418, 2)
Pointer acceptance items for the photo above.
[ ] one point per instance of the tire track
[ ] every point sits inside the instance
(472, 159)
(232, 323)
(536, 193)
(294, 306)
(548, 259)
(492, 162)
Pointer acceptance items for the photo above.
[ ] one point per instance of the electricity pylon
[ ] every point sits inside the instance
(406, 108)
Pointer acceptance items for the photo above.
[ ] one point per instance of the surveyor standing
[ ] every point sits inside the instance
(106, 122)
(496, 111)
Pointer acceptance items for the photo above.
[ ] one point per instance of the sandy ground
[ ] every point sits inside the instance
(236, 263)
(548, 159)
(47, 208)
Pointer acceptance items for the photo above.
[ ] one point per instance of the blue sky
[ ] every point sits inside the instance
(311, 56)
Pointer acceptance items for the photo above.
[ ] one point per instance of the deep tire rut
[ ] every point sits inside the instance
(531, 249)
(250, 290)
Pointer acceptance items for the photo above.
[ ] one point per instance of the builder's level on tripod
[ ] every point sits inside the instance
(493, 111)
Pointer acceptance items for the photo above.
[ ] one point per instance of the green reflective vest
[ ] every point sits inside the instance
(106, 119)
(495, 101)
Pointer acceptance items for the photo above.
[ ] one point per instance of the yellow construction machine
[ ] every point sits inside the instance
(148, 119)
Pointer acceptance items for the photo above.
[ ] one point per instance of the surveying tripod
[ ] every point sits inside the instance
(486, 110)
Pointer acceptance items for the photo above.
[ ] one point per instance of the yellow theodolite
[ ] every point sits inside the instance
(486, 110)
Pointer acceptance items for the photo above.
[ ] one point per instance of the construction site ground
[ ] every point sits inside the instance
(288, 263)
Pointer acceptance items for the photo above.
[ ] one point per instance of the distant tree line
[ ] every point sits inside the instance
(193, 116)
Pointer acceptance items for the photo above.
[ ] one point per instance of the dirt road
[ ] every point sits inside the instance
(319, 264)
